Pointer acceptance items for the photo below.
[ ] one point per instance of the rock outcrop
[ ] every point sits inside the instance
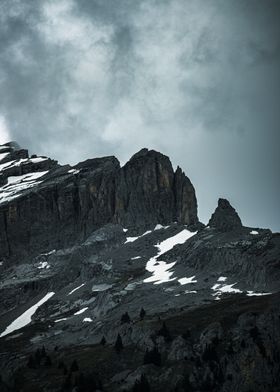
(149, 192)
(45, 205)
(109, 282)
(225, 218)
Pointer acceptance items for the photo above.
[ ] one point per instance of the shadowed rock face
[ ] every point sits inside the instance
(148, 191)
(225, 218)
(66, 204)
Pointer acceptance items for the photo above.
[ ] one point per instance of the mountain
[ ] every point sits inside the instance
(109, 282)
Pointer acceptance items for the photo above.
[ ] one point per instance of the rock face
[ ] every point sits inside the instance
(225, 218)
(149, 192)
(108, 282)
(45, 205)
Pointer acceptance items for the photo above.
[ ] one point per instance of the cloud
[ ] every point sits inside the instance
(4, 131)
(197, 80)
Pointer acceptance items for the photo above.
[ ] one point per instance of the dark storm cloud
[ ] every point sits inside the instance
(197, 80)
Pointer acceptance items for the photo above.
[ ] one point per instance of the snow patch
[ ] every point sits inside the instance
(132, 239)
(3, 155)
(87, 320)
(254, 232)
(16, 184)
(43, 264)
(25, 178)
(220, 289)
(17, 163)
(252, 294)
(73, 171)
(229, 289)
(170, 242)
(6, 164)
(101, 287)
(76, 288)
(222, 279)
(48, 253)
(159, 226)
(136, 257)
(25, 318)
(59, 320)
(183, 281)
(160, 269)
(80, 311)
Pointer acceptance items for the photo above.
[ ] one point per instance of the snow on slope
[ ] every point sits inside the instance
(76, 288)
(25, 318)
(16, 184)
(160, 269)
(17, 163)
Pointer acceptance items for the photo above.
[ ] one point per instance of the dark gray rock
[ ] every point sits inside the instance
(225, 218)
(67, 205)
(212, 323)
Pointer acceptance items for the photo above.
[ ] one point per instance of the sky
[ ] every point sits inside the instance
(197, 80)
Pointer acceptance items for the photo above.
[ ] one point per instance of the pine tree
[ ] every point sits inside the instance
(61, 365)
(103, 341)
(67, 385)
(48, 361)
(153, 357)
(142, 313)
(118, 344)
(74, 366)
(80, 381)
(31, 362)
(43, 352)
(164, 331)
(141, 385)
(38, 357)
(125, 318)
(210, 354)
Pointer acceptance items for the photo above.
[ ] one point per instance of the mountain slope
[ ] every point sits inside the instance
(120, 287)
(45, 205)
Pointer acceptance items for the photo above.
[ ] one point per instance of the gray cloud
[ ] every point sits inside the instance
(196, 80)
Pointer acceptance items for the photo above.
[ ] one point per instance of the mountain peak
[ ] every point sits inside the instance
(225, 218)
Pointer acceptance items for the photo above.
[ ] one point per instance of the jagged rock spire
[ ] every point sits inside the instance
(148, 192)
(225, 218)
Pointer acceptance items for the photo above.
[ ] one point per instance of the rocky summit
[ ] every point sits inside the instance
(109, 282)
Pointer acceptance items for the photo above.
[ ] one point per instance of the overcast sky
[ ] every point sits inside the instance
(197, 80)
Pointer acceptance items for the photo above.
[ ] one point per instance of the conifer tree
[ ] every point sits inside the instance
(153, 356)
(164, 331)
(74, 366)
(141, 385)
(142, 313)
(48, 361)
(61, 365)
(31, 362)
(118, 344)
(103, 341)
(67, 385)
(43, 352)
(38, 357)
(125, 318)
